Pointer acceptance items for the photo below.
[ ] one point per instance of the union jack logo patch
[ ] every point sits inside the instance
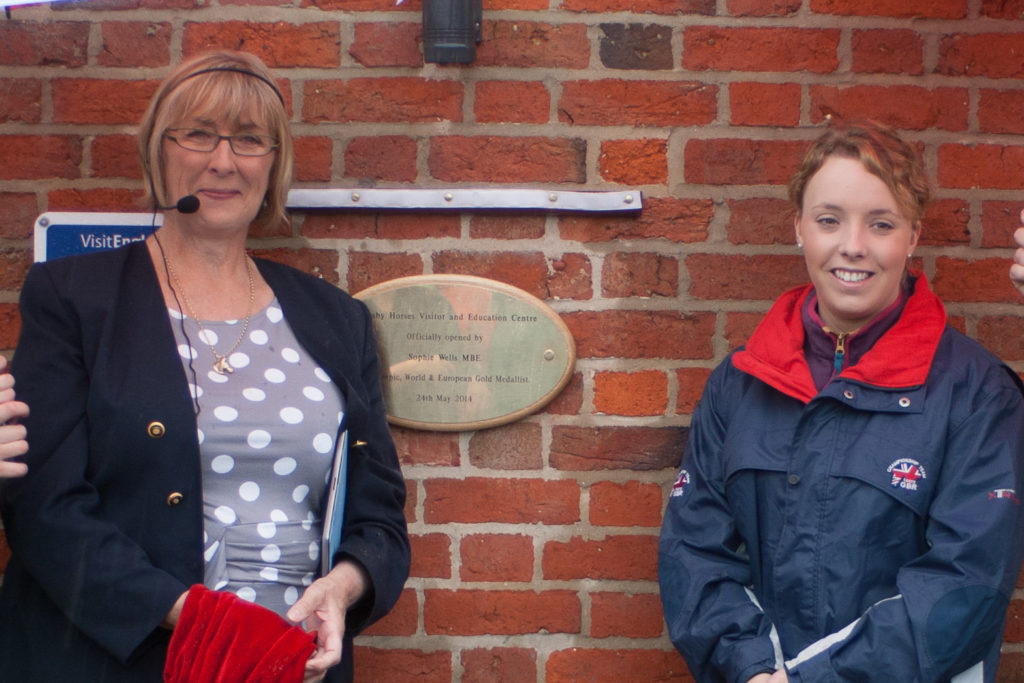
(906, 473)
(1008, 494)
(681, 481)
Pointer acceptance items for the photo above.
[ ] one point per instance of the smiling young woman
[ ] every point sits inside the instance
(856, 242)
(848, 503)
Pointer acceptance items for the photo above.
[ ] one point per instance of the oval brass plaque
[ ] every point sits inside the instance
(460, 352)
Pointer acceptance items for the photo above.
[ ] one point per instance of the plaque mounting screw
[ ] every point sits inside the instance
(628, 199)
(552, 197)
(355, 196)
(549, 354)
(44, 222)
(448, 196)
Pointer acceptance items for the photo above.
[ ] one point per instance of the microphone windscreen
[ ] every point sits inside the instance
(188, 204)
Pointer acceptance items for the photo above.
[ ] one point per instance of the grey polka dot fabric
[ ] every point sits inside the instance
(266, 439)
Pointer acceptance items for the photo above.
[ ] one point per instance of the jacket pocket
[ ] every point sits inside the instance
(894, 464)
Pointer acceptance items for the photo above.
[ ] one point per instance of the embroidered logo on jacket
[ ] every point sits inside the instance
(906, 472)
(1010, 494)
(681, 481)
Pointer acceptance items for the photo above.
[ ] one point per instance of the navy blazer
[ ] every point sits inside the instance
(106, 529)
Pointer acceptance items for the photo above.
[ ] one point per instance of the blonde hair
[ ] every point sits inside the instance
(223, 85)
(882, 152)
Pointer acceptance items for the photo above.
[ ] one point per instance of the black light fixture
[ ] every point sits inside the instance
(451, 30)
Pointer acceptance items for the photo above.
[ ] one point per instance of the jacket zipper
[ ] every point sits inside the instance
(840, 351)
(840, 354)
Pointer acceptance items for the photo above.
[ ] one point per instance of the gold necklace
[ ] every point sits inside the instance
(221, 365)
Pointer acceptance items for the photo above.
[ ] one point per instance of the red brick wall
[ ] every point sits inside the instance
(534, 543)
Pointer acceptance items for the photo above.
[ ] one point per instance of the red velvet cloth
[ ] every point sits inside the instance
(221, 638)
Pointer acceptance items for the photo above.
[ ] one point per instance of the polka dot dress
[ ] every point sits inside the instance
(266, 440)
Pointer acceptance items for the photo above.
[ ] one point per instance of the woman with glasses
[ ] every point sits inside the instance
(188, 402)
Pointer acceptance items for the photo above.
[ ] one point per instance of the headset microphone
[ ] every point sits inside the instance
(187, 204)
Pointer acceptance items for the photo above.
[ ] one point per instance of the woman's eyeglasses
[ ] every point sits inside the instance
(202, 140)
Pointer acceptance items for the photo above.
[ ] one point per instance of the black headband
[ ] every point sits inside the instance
(237, 70)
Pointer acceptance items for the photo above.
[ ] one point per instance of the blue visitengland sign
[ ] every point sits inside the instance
(63, 234)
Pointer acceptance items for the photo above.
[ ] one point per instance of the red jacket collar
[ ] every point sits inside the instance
(775, 352)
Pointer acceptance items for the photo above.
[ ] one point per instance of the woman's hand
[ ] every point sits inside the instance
(777, 677)
(171, 620)
(1017, 269)
(322, 608)
(12, 436)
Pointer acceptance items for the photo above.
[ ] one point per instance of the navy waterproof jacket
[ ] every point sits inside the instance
(870, 531)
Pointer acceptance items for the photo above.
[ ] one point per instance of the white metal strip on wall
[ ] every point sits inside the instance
(465, 198)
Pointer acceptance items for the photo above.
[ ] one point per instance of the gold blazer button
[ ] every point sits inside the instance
(156, 430)
(174, 499)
